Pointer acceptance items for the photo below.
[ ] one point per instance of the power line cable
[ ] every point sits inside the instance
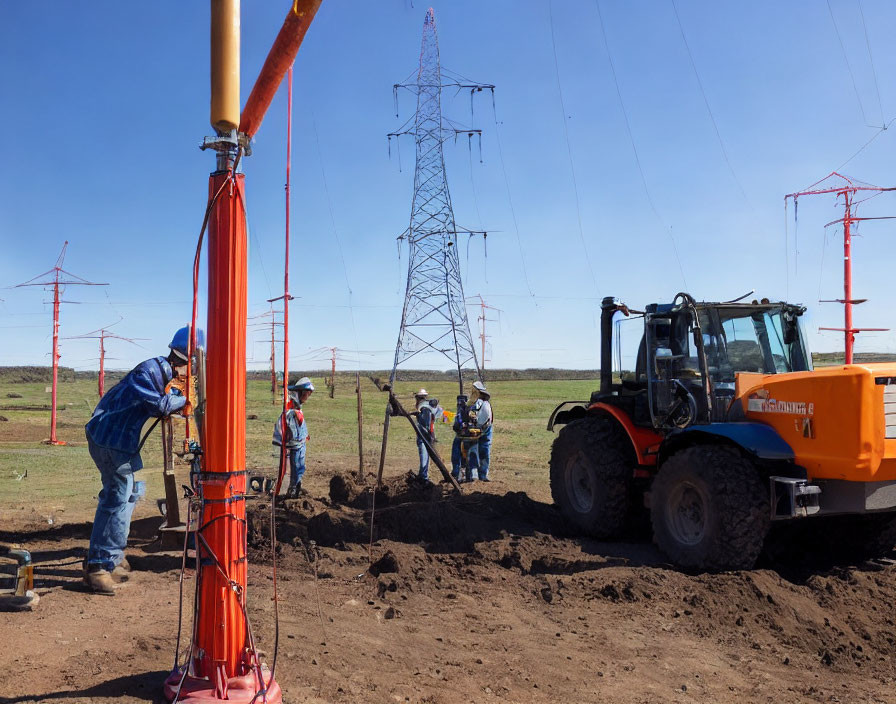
(848, 66)
(572, 167)
(712, 118)
(871, 58)
(323, 175)
(516, 226)
(631, 138)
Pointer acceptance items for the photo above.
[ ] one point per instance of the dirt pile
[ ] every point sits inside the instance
(432, 540)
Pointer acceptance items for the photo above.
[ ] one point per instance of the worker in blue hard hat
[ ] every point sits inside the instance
(296, 433)
(113, 440)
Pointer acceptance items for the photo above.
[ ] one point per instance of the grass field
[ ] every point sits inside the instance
(62, 482)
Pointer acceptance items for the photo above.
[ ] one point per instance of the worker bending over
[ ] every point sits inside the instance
(113, 440)
(426, 426)
(296, 434)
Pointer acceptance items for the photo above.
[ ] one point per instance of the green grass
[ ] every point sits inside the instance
(64, 479)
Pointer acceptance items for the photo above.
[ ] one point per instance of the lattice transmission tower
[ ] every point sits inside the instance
(434, 318)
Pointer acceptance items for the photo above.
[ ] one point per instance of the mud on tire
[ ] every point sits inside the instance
(710, 509)
(591, 475)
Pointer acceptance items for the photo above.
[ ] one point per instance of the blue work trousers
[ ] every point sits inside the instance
(457, 459)
(117, 499)
(424, 460)
(483, 452)
(296, 464)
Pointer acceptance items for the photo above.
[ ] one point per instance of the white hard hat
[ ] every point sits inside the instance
(421, 393)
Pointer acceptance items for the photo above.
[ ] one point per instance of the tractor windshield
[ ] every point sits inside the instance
(764, 339)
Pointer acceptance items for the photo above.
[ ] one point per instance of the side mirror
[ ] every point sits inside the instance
(791, 329)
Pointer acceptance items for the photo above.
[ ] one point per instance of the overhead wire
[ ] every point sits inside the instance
(572, 168)
(631, 138)
(323, 174)
(712, 118)
(871, 59)
(516, 226)
(848, 66)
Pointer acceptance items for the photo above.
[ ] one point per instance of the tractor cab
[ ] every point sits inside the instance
(691, 352)
(689, 358)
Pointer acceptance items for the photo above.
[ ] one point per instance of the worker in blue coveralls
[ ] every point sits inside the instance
(296, 434)
(113, 440)
(481, 410)
(425, 424)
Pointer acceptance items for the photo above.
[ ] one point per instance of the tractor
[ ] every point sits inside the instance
(724, 430)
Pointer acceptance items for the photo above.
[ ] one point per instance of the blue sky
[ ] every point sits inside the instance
(104, 104)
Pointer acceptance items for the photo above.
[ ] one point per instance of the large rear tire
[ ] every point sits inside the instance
(591, 475)
(710, 509)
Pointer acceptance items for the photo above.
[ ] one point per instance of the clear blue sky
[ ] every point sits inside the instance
(104, 104)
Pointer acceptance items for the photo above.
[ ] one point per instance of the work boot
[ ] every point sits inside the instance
(99, 580)
(122, 571)
(293, 491)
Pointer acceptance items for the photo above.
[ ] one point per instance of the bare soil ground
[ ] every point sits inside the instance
(481, 597)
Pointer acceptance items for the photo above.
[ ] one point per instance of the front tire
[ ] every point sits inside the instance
(591, 475)
(710, 509)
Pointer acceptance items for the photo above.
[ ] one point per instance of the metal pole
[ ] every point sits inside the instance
(360, 434)
(273, 361)
(849, 333)
(53, 440)
(101, 382)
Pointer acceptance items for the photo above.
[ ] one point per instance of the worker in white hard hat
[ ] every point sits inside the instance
(481, 414)
(426, 426)
(296, 433)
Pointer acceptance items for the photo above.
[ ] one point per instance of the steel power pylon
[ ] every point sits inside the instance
(434, 317)
(56, 281)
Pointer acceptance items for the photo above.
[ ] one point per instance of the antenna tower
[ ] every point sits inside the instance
(102, 335)
(847, 189)
(56, 281)
(482, 319)
(274, 323)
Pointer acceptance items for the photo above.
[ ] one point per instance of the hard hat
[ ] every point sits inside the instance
(181, 341)
(421, 393)
(303, 384)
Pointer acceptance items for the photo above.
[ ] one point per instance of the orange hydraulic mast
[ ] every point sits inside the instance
(224, 664)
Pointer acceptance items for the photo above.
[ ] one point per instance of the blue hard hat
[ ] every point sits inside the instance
(303, 384)
(181, 341)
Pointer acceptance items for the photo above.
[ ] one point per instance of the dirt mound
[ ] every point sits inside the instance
(430, 539)
(405, 510)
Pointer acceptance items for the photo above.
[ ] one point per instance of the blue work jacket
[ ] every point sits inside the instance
(121, 413)
(296, 430)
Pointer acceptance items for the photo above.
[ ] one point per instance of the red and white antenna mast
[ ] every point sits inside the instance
(102, 335)
(56, 281)
(847, 189)
(482, 319)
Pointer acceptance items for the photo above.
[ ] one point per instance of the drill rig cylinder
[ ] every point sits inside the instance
(225, 59)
